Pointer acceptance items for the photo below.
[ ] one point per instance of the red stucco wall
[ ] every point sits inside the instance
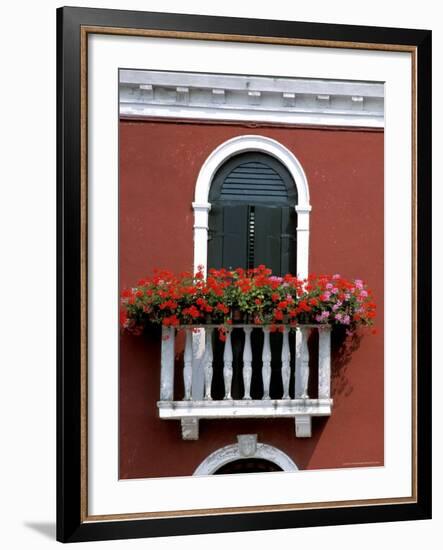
(159, 164)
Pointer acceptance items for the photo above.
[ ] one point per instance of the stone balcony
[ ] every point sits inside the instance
(198, 372)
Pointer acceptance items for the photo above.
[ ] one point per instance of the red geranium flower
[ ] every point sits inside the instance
(278, 315)
(221, 307)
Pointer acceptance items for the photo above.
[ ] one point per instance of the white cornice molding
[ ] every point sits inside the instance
(251, 98)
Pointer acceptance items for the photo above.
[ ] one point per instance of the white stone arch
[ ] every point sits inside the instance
(247, 447)
(221, 154)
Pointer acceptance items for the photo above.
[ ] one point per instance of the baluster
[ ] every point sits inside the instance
(285, 362)
(266, 359)
(324, 362)
(187, 369)
(247, 363)
(301, 362)
(198, 360)
(208, 364)
(227, 364)
(167, 364)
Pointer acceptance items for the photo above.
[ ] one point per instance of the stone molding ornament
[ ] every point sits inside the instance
(247, 447)
(233, 97)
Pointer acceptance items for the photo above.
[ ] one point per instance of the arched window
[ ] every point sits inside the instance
(283, 162)
(253, 220)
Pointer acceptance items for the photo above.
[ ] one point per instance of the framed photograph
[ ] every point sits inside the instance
(244, 274)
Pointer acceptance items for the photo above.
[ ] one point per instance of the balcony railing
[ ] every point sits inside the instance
(197, 400)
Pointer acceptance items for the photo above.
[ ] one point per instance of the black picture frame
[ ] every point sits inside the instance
(72, 523)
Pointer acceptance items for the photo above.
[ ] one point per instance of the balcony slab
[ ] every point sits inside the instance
(245, 408)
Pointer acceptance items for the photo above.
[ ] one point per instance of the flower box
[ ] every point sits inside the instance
(253, 296)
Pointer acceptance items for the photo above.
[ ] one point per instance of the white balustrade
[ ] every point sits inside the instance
(285, 363)
(208, 363)
(267, 405)
(302, 362)
(266, 368)
(167, 364)
(247, 363)
(187, 368)
(227, 364)
(324, 363)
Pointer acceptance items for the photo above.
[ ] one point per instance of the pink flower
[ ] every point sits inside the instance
(322, 317)
(329, 286)
(363, 294)
(325, 296)
(336, 276)
(358, 283)
(343, 319)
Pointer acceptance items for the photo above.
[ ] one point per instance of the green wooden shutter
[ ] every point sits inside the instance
(228, 236)
(267, 237)
(275, 242)
(288, 244)
(215, 237)
(253, 178)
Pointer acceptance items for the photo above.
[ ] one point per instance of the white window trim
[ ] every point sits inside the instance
(221, 154)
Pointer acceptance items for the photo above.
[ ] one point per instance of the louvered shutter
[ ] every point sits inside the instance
(267, 237)
(288, 243)
(215, 237)
(252, 182)
(228, 236)
(275, 243)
